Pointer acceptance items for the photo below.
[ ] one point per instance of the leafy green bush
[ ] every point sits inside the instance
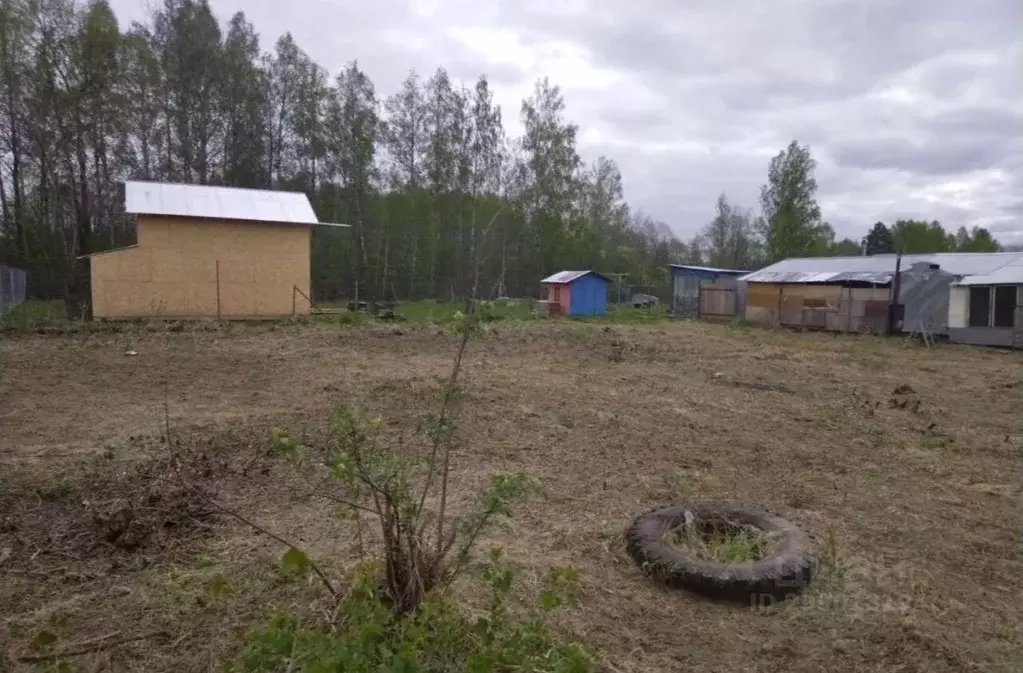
(368, 477)
(368, 638)
(32, 313)
(397, 614)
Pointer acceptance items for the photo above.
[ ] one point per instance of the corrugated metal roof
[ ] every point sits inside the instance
(219, 203)
(876, 268)
(568, 276)
(1010, 274)
(709, 269)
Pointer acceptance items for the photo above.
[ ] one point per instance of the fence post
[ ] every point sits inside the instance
(893, 295)
(293, 307)
(848, 316)
(218, 289)
(781, 288)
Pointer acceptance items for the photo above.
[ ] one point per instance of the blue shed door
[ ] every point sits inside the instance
(589, 296)
(580, 297)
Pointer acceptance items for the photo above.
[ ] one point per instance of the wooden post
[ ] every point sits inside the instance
(294, 289)
(218, 289)
(780, 289)
(893, 296)
(848, 317)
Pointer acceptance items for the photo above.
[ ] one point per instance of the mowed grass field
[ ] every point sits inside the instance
(902, 461)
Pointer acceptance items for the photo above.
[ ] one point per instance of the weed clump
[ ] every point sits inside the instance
(724, 542)
(439, 636)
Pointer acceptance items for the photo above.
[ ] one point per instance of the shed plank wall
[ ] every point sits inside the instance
(831, 307)
(174, 271)
(589, 296)
(564, 301)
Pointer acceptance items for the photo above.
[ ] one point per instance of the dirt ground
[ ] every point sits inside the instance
(902, 461)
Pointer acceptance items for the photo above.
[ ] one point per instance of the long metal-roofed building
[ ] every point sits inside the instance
(854, 293)
(207, 251)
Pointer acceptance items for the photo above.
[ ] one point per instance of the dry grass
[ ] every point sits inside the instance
(911, 495)
(724, 542)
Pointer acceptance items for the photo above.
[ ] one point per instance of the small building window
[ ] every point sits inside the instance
(1005, 306)
(980, 306)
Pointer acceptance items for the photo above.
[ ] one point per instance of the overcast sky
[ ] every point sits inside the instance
(912, 108)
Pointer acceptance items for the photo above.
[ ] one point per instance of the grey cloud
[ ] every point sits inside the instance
(987, 122)
(893, 96)
(810, 49)
(949, 143)
(934, 159)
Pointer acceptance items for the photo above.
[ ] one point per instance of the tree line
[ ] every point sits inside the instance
(790, 225)
(427, 177)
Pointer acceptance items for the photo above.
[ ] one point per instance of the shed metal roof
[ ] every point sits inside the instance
(876, 268)
(218, 203)
(709, 269)
(1010, 274)
(568, 276)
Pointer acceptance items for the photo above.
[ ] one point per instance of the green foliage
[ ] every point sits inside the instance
(724, 544)
(282, 443)
(628, 314)
(446, 312)
(217, 587)
(495, 502)
(792, 218)
(731, 239)
(879, 240)
(915, 236)
(44, 639)
(977, 239)
(60, 489)
(295, 561)
(31, 313)
(920, 237)
(846, 248)
(680, 484)
(352, 318)
(369, 475)
(368, 638)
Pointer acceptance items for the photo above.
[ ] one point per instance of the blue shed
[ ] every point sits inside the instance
(705, 290)
(578, 293)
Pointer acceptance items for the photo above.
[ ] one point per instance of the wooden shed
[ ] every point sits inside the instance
(577, 293)
(705, 291)
(207, 251)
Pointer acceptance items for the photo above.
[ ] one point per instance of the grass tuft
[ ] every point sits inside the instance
(729, 543)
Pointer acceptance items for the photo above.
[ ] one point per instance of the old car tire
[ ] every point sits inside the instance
(784, 572)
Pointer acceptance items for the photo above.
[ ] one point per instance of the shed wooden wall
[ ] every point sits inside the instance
(174, 270)
(830, 307)
(720, 297)
(564, 301)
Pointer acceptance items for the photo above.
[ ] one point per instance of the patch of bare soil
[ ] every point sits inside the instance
(902, 462)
